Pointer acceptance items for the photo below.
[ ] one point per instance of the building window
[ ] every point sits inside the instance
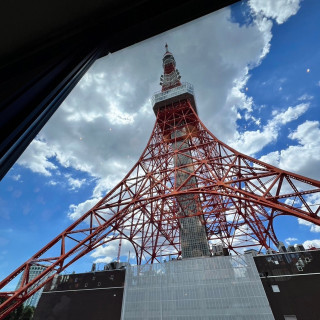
(275, 288)
(290, 317)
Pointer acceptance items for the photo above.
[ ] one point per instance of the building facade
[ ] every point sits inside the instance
(34, 271)
(289, 281)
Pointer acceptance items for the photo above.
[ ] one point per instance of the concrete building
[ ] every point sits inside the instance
(34, 299)
(218, 287)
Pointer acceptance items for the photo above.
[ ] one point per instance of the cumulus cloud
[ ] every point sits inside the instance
(313, 227)
(108, 252)
(76, 211)
(292, 113)
(312, 243)
(250, 142)
(302, 158)
(307, 133)
(75, 183)
(290, 240)
(280, 10)
(37, 157)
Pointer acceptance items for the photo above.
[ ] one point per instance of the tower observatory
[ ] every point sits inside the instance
(187, 191)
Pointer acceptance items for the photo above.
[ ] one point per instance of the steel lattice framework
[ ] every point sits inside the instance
(234, 196)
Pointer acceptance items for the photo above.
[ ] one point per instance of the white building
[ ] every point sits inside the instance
(34, 299)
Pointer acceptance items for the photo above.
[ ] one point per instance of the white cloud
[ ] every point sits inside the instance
(102, 186)
(37, 157)
(16, 177)
(302, 158)
(75, 183)
(279, 10)
(290, 240)
(76, 211)
(237, 98)
(307, 133)
(312, 243)
(305, 97)
(313, 227)
(108, 252)
(250, 142)
(292, 113)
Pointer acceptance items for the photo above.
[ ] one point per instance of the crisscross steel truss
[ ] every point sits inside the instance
(237, 198)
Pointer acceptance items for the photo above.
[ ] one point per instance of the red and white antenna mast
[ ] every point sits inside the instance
(171, 77)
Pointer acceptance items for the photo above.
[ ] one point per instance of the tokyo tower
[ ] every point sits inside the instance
(187, 191)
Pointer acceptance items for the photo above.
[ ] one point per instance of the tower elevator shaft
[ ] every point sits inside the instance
(193, 236)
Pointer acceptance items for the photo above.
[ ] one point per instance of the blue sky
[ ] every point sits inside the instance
(256, 72)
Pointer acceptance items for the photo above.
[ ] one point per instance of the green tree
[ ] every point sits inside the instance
(20, 313)
(27, 313)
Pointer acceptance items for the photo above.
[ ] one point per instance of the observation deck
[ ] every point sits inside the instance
(162, 99)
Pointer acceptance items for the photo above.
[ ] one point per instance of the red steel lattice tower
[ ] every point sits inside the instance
(187, 190)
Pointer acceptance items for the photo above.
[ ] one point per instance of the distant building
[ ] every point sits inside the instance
(251, 251)
(217, 250)
(270, 251)
(299, 247)
(34, 271)
(291, 248)
(281, 247)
